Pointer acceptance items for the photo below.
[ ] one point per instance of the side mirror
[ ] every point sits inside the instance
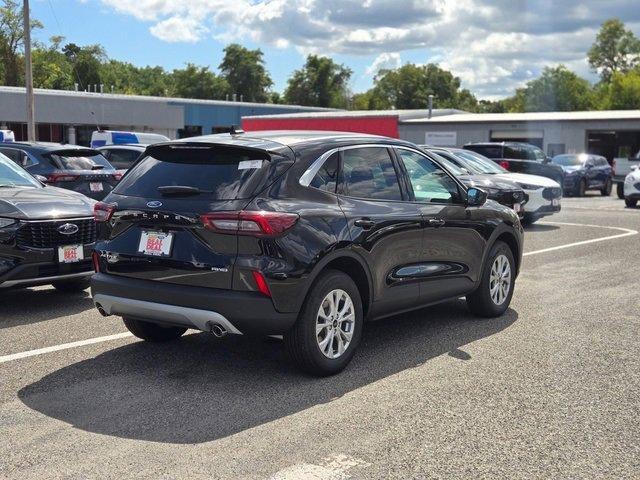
(547, 159)
(41, 179)
(476, 197)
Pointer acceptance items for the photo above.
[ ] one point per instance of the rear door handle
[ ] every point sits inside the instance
(365, 223)
(436, 222)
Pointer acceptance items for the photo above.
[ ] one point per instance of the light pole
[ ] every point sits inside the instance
(31, 121)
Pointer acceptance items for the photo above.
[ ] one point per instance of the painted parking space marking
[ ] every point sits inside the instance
(626, 232)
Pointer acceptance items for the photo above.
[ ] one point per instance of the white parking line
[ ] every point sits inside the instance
(108, 338)
(627, 232)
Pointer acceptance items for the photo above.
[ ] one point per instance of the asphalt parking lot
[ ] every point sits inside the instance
(551, 389)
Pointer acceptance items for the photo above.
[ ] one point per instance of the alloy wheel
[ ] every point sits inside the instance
(335, 323)
(500, 279)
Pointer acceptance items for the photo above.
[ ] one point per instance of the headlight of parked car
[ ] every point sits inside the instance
(5, 222)
(526, 186)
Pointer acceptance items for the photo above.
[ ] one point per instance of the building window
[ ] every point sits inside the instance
(190, 131)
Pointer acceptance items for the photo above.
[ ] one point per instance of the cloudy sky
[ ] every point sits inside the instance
(493, 46)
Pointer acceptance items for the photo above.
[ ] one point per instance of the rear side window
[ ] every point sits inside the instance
(219, 174)
(490, 151)
(516, 153)
(368, 172)
(327, 177)
(121, 158)
(80, 160)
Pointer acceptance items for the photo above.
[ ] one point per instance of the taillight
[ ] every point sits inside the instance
(261, 283)
(117, 176)
(250, 223)
(61, 177)
(95, 258)
(504, 164)
(102, 211)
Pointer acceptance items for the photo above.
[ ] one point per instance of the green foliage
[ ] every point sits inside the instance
(12, 41)
(244, 71)
(623, 92)
(320, 83)
(616, 49)
(198, 82)
(86, 63)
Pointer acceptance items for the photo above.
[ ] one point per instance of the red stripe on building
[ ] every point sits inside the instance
(379, 125)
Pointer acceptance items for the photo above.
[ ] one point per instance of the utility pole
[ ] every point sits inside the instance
(31, 111)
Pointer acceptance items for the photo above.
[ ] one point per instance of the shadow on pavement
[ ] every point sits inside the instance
(537, 227)
(26, 306)
(200, 389)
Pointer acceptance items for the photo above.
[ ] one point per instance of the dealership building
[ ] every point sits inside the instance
(71, 116)
(613, 134)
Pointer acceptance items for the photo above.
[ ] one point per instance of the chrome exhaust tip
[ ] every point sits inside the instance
(101, 310)
(218, 330)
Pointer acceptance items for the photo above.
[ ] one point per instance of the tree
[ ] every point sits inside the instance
(12, 40)
(51, 69)
(557, 89)
(623, 91)
(616, 49)
(86, 62)
(409, 87)
(244, 71)
(198, 82)
(320, 83)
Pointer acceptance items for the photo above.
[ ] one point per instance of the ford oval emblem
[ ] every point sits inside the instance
(68, 229)
(154, 204)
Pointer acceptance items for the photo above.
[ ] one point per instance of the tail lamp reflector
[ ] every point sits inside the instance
(102, 211)
(249, 223)
(261, 283)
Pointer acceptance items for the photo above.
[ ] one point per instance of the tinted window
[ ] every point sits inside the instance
(368, 173)
(121, 158)
(221, 174)
(430, 183)
(515, 152)
(538, 154)
(490, 151)
(568, 160)
(80, 160)
(327, 177)
(18, 156)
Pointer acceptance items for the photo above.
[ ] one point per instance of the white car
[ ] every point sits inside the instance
(632, 187)
(545, 195)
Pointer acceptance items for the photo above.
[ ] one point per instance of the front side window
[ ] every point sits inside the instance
(368, 172)
(430, 183)
(121, 158)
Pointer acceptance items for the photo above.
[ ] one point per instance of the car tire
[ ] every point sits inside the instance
(316, 349)
(620, 190)
(152, 332)
(581, 188)
(72, 286)
(493, 295)
(606, 191)
(630, 203)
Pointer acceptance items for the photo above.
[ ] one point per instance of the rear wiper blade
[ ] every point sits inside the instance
(180, 190)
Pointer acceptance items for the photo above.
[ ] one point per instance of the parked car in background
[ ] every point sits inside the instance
(81, 169)
(519, 158)
(122, 157)
(46, 233)
(544, 196)
(632, 187)
(310, 233)
(7, 136)
(622, 167)
(583, 171)
(100, 138)
(500, 190)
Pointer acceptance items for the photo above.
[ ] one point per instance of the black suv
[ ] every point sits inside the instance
(519, 158)
(46, 233)
(67, 166)
(301, 234)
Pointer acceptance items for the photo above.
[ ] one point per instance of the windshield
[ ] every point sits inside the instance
(11, 175)
(81, 160)
(449, 165)
(478, 163)
(567, 160)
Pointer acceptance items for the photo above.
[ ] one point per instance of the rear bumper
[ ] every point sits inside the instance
(193, 307)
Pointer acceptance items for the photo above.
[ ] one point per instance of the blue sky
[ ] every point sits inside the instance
(493, 46)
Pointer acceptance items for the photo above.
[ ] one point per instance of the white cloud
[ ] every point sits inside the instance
(493, 45)
(382, 61)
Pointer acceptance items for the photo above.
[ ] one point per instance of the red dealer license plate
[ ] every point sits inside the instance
(157, 244)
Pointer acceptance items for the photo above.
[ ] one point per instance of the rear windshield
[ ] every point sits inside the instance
(219, 174)
(489, 151)
(81, 160)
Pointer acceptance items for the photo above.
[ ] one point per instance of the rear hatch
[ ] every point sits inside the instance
(157, 231)
(83, 170)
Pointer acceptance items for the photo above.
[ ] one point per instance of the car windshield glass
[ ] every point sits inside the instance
(81, 160)
(569, 160)
(11, 175)
(449, 165)
(217, 174)
(476, 162)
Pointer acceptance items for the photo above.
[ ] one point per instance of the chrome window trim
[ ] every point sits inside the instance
(307, 177)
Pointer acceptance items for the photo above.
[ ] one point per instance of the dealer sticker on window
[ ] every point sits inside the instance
(249, 164)
(155, 243)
